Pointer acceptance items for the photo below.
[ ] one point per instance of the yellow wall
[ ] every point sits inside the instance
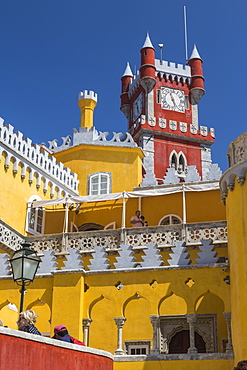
(124, 163)
(62, 300)
(236, 202)
(148, 293)
(154, 208)
(15, 193)
(175, 365)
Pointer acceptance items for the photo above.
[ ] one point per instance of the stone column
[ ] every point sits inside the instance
(155, 321)
(120, 323)
(191, 319)
(227, 316)
(86, 323)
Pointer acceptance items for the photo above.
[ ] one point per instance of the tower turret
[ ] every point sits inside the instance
(87, 102)
(147, 69)
(125, 102)
(197, 80)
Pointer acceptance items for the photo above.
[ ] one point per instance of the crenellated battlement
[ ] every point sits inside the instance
(88, 94)
(172, 68)
(92, 137)
(35, 160)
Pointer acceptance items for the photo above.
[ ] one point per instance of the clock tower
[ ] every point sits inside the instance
(161, 105)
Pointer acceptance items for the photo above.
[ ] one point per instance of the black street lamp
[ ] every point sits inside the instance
(24, 263)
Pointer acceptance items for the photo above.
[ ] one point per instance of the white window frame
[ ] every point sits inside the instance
(31, 210)
(145, 344)
(170, 215)
(99, 175)
(180, 173)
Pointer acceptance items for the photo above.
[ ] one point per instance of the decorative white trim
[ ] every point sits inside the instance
(173, 125)
(33, 159)
(162, 122)
(203, 130)
(193, 129)
(92, 137)
(152, 121)
(183, 126)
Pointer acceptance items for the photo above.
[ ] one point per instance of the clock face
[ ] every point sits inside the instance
(137, 107)
(172, 99)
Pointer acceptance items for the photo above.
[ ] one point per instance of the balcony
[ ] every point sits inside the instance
(139, 238)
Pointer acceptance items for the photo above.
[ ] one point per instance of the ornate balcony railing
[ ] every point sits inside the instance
(111, 240)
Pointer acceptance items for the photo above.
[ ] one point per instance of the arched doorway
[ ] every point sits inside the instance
(180, 342)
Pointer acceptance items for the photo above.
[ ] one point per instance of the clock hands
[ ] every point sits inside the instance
(173, 100)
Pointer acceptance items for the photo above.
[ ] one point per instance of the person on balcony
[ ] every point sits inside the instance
(136, 220)
(61, 333)
(26, 322)
(144, 223)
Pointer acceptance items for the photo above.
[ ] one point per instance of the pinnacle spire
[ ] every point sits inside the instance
(128, 71)
(148, 43)
(195, 54)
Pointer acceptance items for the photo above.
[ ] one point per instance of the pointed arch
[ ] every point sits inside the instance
(182, 163)
(172, 304)
(173, 160)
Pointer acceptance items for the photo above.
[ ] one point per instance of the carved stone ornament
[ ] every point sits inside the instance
(193, 129)
(204, 325)
(162, 122)
(173, 125)
(183, 126)
(152, 121)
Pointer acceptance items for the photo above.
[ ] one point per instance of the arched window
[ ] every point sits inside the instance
(181, 164)
(35, 219)
(174, 161)
(170, 219)
(99, 183)
(178, 162)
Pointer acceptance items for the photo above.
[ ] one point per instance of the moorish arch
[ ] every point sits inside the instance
(211, 304)
(102, 311)
(137, 310)
(43, 310)
(172, 304)
(9, 314)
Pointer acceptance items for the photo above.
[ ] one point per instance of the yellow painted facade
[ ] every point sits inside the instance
(236, 201)
(173, 292)
(124, 164)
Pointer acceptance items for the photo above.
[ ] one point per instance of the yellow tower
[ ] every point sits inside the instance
(87, 102)
(234, 194)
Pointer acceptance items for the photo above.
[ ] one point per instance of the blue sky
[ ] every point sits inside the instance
(52, 49)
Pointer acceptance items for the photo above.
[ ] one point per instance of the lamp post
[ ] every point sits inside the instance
(24, 263)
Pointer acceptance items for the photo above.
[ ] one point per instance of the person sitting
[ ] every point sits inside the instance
(241, 365)
(136, 220)
(61, 333)
(26, 322)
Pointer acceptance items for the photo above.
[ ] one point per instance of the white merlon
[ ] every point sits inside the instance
(172, 68)
(128, 71)
(195, 54)
(31, 157)
(88, 94)
(147, 43)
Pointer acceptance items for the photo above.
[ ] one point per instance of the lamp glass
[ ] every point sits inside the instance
(24, 264)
